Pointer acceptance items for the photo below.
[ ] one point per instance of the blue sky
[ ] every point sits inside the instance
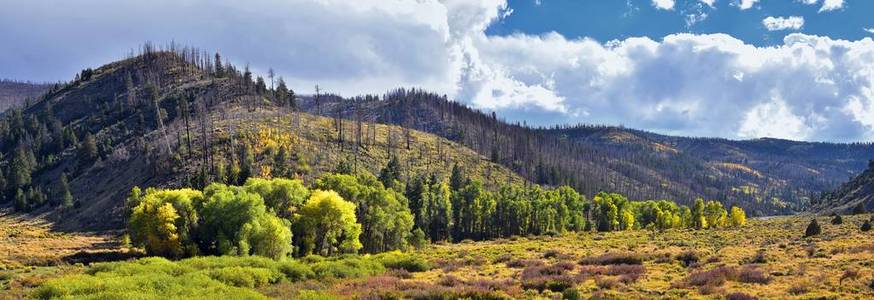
(740, 69)
(606, 20)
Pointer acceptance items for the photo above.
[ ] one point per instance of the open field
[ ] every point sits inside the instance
(767, 259)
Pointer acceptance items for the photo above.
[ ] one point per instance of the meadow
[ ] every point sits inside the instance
(767, 259)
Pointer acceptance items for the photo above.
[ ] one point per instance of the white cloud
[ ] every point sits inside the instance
(663, 4)
(808, 2)
(745, 4)
(808, 87)
(781, 23)
(829, 5)
(869, 30)
(708, 2)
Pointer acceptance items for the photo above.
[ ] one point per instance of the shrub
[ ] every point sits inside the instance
(613, 259)
(739, 296)
(296, 271)
(571, 294)
(606, 282)
(242, 276)
(759, 258)
(553, 277)
(753, 275)
(349, 267)
(837, 220)
(812, 229)
(524, 263)
(405, 261)
(626, 270)
(551, 253)
(714, 277)
(687, 258)
(849, 274)
(503, 258)
(865, 226)
(799, 288)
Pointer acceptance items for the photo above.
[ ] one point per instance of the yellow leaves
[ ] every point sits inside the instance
(268, 137)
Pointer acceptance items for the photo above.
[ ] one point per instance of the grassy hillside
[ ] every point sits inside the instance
(853, 196)
(206, 120)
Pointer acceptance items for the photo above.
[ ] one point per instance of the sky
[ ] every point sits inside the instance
(739, 69)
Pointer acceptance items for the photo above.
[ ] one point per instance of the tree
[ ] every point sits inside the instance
(699, 219)
(327, 225)
(386, 221)
(438, 210)
(390, 175)
(836, 219)
(866, 226)
(812, 229)
(715, 214)
(282, 196)
(282, 93)
(219, 70)
(164, 221)
(235, 221)
(247, 164)
(66, 196)
(738, 217)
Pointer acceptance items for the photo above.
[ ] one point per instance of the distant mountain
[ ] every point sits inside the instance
(14, 93)
(846, 198)
(765, 176)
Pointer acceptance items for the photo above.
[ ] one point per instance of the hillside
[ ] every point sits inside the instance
(857, 192)
(765, 176)
(14, 93)
(209, 124)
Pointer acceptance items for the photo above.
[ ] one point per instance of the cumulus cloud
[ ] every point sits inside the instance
(708, 2)
(663, 4)
(828, 5)
(781, 23)
(869, 30)
(745, 4)
(808, 87)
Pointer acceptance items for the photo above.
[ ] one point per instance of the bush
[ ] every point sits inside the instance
(753, 275)
(349, 267)
(812, 229)
(296, 271)
(405, 261)
(739, 296)
(713, 277)
(687, 258)
(553, 277)
(850, 274)
(837, 220)
(524, 263)
(243, 276)
(613, 259)
(865, 226)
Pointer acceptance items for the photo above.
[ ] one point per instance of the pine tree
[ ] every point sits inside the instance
(837, 220)
(67, 198)
(812, 229)
(87, 149)
(390, 176)
(219, 70)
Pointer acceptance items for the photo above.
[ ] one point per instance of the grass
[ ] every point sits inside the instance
(768, 259)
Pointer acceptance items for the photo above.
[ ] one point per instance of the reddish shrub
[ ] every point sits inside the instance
(687, 258)
(626, 269)
(713, 277)
(524, 263)
(753, 275)
(739, 296)
(613, 259)
(606, 282)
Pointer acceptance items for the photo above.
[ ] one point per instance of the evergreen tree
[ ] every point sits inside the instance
(87, 149)
(247, 164)
(837, 220)
(390, 176)
(67, 196)
(866, 226)
(812, 229)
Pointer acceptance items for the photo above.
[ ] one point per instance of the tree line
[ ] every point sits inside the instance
(348, 212)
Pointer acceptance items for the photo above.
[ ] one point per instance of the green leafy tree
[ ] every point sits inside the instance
(235, 221)
(699, 219)
(384, 215)
(247, 164)
(390, 175)
(66, 195)
(283, 196)
(326, 225)
(715, 214)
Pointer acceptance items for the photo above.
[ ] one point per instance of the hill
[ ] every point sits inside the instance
(14, 93)
(765, 176)
(165, 119)
(850, 196)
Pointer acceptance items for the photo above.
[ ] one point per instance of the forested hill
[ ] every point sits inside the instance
(179, 117)
(765, 176)
(855, 196)
(15, 93)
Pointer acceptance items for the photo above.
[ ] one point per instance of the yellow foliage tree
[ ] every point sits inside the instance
(738, 217)
(327, 225)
